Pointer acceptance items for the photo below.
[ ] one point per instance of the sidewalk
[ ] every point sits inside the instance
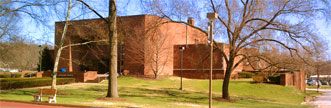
(322, 101)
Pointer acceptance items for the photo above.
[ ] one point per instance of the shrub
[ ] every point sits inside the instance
(274, 79)
(8, 75)
(258, 78)
(5, 76)
(13, 83)
(246, 74)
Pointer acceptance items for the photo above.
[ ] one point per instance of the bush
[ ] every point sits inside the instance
(275, 79)
(14, 83)
(8, 75)
(245, 74)
(258, 78)
(4, 75)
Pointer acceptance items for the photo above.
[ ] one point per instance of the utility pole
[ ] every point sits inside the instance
(211, 17)
(181, 67)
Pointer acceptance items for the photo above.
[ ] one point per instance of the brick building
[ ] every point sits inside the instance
(147, 44)
(196, 61)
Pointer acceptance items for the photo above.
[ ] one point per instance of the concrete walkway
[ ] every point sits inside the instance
(322, 101)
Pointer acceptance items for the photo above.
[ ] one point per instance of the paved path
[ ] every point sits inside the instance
(322, 101)
(25, 105)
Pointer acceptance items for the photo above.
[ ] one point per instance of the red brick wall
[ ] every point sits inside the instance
(197, 57)
(303, 80)
(175, 35)
(90, 75)
(247, 66)
(95, 29)
(286, 79)
(202, 74)
(296, 78)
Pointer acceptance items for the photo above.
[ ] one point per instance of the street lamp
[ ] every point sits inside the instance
(40, 66)
(211, 17)
(181, 67)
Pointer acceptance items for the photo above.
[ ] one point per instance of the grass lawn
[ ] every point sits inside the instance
(322, 87)
(164, 94)
(313, 93)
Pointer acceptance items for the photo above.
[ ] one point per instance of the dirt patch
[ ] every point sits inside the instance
(224, 100)
(112, 99)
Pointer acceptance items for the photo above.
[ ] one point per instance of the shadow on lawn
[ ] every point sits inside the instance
(20, 92)
(164, 94)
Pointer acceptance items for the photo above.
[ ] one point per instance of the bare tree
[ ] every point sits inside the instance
(60, 48)
(112, 36)
(243, 22)
(112, 84)
(19, 53)
(149, 48)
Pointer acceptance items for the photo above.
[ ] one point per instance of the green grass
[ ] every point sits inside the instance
(322, 87)
(164, 94)
(313, 93)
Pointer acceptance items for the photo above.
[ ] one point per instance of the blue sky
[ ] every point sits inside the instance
(43, 35)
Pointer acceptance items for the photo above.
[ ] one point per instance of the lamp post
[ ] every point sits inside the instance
(211, 17)
(181, 67)
(40, 66)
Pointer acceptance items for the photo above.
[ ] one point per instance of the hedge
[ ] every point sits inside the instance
(246, 74)
(17, 75)
(14, 83)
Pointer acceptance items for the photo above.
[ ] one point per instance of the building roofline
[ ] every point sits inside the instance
(107, 17)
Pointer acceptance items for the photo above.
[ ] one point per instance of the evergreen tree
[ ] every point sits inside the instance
(46, 60)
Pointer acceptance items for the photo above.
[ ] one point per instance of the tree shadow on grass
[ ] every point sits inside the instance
(20, 92)
(164, 94)
(97, 88)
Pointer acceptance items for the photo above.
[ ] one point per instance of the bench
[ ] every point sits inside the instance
(50, 93)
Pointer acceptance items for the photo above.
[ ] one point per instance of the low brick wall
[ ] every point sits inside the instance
(286, 79)
(39, 74)
(25, 72)
(296, 78)
(86, 76)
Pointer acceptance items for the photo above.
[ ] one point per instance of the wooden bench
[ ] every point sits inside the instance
(50, 93)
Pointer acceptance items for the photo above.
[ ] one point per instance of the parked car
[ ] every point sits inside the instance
(313, 82)
(324, 82)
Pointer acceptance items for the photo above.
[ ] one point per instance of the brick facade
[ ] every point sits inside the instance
(89, 57)
(139, 38)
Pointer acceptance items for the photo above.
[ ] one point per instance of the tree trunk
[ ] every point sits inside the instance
(58, 54)
(156, 76)
(112, 84)
(226, 82)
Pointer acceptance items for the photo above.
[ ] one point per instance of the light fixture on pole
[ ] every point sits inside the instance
(211, 17)
(181, 67)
